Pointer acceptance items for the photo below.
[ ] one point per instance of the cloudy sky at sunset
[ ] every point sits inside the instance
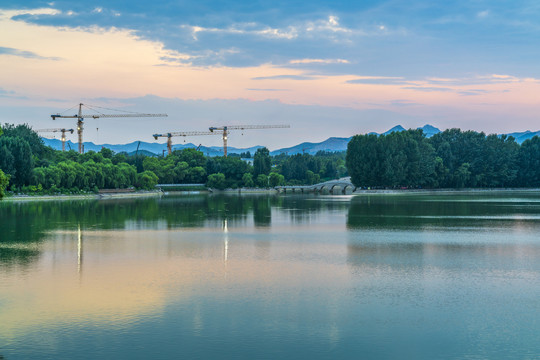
(327, 68)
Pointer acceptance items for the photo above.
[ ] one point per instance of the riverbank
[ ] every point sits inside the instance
(135, 194)
(244, 191)
(443, 191)
(254, 191)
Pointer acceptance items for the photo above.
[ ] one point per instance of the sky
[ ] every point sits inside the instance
(326, 68)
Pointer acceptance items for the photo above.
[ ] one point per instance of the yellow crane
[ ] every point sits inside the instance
(186, 133)
(222, 130)
(63, 138)
(80, 118)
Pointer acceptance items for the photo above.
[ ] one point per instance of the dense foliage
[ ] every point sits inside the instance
(309, 169)
(3, 183)
(450, 159)
(32, 167)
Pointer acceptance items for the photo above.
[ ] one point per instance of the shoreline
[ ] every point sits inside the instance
(61, 197)
(443, 191)
(244, 191)
(110, 196)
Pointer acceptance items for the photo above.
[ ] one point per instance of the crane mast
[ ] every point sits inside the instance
(185, 133)
(80, 120)
(63, 138)
(223, 130)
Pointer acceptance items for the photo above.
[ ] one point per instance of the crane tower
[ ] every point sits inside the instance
(223, 130)
(187, 133)
(63, 138)
(80, 119)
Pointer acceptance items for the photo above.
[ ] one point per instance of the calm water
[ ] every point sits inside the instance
(272, 277)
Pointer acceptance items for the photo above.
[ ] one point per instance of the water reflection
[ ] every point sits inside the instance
(447, 255)
(444, 211)
(272, 277)
(79, 250)
(225, 241)
(24, 225)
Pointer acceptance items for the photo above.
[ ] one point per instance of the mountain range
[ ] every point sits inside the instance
(331, 144)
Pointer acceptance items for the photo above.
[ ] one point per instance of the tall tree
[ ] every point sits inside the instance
(3, 183)
(24, 131)
(16, 159)
(261, 162)
(529, 163)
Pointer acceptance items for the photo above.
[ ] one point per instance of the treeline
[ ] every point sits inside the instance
(450, 159)
(28, 166)
(32, 167)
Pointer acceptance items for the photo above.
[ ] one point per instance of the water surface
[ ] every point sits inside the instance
(266, 277)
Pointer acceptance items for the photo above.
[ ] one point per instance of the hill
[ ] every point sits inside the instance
(332, 144)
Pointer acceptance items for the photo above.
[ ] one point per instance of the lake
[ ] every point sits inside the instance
(379, 276)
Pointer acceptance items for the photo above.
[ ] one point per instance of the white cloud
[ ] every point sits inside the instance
(319, 61)
(323, 27)
(245, 29)
(8, 14)
(483, 14)
(329, 25)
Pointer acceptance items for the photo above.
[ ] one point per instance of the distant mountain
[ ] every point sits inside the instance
(429, 130)
(522, 136)
(154, 148)
(397, 128)
(340, 144)
(331, 144)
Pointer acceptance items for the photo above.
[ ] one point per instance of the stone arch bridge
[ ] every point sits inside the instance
(342, 186)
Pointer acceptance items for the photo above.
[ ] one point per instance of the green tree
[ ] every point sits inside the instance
(16, 159)
(312, 178)
(147, 180)
(261, 162)
(106, 153)
(196, 175)
(247, 180)
(4, 180)
(276, 179)
(217, 181)
(262, 181)
(119, 158)
(365, 160)
(462, 175)
(529, 163)
(25, 132)
(232, 167)
(193, 157)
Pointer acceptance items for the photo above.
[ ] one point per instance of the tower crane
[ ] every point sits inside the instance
(186, 133)
(223, 130)
(80, 119)
(63, 138)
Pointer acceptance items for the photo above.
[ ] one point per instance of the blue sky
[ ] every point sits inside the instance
(472, 64)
